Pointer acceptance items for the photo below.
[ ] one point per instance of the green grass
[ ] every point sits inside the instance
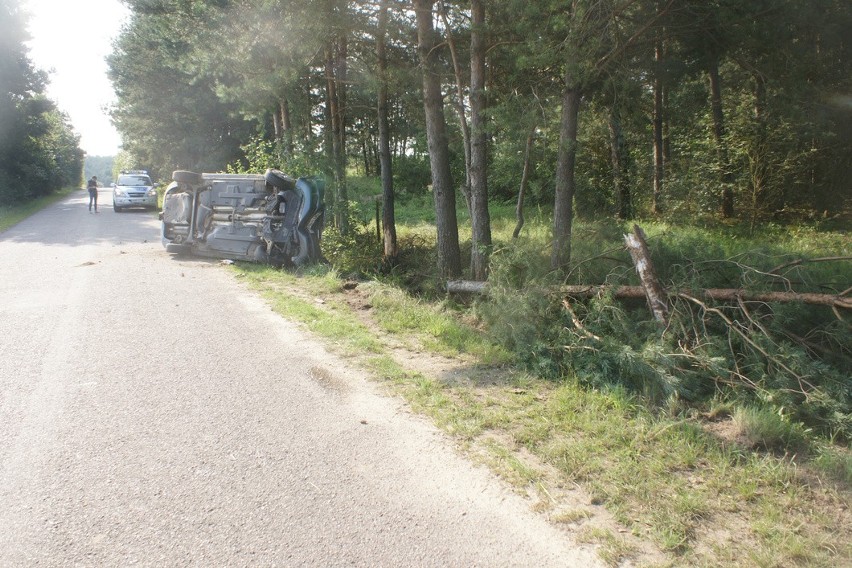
(766, 429)
(664, 478)
(438, 328)
(329, 319)
(14, 214)
(661, 471)
(612, 548)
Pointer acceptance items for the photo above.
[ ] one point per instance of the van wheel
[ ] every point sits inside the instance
(279, 180)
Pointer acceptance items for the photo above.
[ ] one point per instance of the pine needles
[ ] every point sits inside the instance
(790, 360)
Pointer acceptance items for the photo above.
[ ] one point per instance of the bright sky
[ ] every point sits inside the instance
(71, 40)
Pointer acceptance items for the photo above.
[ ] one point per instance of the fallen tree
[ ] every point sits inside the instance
(638, 292)
(749, 340)
(660, 300)
(656, 295)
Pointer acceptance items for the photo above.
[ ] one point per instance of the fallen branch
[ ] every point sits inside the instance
(808, 260)
(467, 287)
(638, 292)
(577, 323)
(804, 385)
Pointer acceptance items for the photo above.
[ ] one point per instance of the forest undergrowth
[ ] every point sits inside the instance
(790, 359)
(721, 438)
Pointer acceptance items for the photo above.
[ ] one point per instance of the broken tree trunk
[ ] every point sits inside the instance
(638, 292)
(657, 297)
(654, 292)
(467, 287)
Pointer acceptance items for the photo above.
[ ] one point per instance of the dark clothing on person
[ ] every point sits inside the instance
(93, 193)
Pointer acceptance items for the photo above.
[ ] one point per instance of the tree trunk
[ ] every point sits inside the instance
(286, 126)
(328, 139)
(341, 77)
(449, 256)
(391, 250)
(459, 105)
(525, 177)
(480, 216)
(659, 150)
(759, 166)
(563, 211)
(365, 158)
(338, 151)
(276, 125)
(307, 135)
(638, 293)
(727, 205)
(620, 165)
(341, 66)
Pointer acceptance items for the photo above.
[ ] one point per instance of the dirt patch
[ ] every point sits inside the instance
(726, 431)
(329, 381)
(566, 506)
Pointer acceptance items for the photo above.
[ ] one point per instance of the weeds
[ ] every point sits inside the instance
(690, 436)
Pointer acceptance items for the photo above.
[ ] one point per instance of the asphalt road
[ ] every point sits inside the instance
(154, 412)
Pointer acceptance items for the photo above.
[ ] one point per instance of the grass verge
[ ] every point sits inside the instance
(13, 214)
(700, 498)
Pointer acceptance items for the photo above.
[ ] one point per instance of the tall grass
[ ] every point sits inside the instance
(791, 360)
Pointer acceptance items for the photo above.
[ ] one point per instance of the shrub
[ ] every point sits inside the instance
(412, 174)
(354, 254)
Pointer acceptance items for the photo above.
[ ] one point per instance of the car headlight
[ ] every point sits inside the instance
(152, 192)
(120, 192)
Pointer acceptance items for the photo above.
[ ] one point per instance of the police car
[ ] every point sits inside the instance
(133, 189)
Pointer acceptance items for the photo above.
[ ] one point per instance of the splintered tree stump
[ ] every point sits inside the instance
(655, 294)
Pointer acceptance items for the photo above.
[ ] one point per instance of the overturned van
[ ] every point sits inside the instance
(267, 217)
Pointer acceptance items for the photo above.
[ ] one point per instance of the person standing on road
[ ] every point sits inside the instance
(93, 193)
